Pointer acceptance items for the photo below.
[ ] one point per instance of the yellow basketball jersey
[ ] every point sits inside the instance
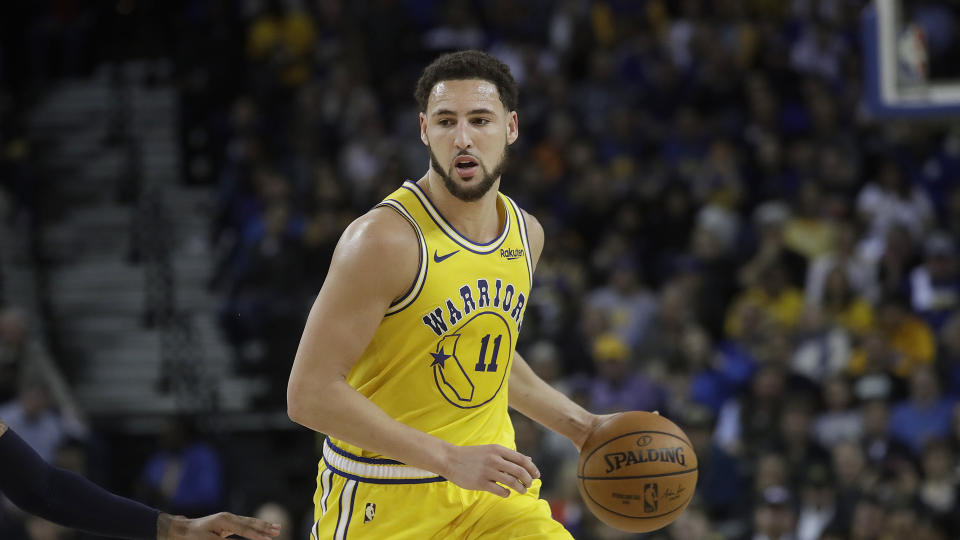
(441, 358)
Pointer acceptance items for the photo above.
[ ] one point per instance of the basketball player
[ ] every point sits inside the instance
(407, 359)
(67, 499)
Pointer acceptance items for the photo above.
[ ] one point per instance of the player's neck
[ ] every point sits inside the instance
(481, 221)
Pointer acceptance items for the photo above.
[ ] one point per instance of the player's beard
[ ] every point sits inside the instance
(478, 187)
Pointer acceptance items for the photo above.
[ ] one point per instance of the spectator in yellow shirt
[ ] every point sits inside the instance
(908, 338)
(843, 306)
(809, 232)
(282, 41)
(772, 296)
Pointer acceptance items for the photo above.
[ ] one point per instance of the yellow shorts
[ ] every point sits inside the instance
(363, 498)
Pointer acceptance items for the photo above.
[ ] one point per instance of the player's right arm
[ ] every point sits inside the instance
(374, 263)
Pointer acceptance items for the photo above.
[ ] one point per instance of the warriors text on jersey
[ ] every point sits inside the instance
(440, 360)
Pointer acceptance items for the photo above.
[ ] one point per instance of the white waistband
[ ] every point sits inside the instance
(359, 468)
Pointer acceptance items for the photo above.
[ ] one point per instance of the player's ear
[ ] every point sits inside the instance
(423, 129)
(513, 127)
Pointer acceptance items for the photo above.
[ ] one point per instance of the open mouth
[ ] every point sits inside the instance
(466, 166)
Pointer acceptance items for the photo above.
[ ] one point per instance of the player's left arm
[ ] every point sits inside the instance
(531, 395)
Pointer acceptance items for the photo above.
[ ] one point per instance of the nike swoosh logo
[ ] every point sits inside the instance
(438, 259)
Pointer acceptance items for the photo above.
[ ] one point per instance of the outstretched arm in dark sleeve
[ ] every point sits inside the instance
(66, 498)
(73, 501)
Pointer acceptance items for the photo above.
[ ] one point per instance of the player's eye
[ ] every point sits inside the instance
(480, 121)
(445, 122)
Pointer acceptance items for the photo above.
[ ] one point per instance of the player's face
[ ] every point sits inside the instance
(467, 131)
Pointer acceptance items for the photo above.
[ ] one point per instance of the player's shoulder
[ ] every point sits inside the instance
(379, 249)
(535, 234)
(534, 228)
(380, 230)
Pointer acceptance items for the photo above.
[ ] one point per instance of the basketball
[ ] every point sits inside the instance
(637, 471)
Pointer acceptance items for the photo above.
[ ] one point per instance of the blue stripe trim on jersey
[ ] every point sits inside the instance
(372, 461)
(326, 486)
(339, 511)
(420, 261)
(368, 480)
(523, 238)
(426, 197)
(423, 264)
(353, 497)
(430, 208)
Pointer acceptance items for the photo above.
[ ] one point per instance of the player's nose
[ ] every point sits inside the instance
(463, 140)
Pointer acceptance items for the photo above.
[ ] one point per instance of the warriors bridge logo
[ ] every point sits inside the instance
(472, 357)
(469, 366)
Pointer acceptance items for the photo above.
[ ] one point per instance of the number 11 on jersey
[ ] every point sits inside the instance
(492, 366)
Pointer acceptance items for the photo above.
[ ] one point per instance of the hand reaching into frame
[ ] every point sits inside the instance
(214, 527)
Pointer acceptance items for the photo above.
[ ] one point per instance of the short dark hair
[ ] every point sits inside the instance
(464, 65)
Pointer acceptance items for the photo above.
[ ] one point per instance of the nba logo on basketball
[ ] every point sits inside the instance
(650, 497)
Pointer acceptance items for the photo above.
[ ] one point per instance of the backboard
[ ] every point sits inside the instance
(911, 55)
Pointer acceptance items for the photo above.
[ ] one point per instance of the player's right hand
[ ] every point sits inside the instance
(486, 467)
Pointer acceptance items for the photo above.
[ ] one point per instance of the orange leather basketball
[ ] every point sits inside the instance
(637, 471)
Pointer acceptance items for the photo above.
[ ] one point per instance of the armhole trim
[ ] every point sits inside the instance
(522, 227)
(414, 291)
(451, 232)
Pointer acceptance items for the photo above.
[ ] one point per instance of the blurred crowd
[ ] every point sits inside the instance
(730, 238)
